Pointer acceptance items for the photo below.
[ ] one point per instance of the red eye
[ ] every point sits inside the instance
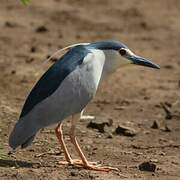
(122, 52)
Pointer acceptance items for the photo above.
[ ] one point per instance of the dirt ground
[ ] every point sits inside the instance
(133, 97)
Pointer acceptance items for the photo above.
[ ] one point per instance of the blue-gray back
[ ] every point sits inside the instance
(53, 77)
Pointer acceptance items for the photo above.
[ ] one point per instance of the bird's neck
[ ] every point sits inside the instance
(112, 62)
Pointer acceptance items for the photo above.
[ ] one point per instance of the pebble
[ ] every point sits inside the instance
(155, 125)
(126, 131)
(147, 166)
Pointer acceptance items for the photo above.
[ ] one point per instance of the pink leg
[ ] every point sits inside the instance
(59, 135)
(85, 163)
(69, 160)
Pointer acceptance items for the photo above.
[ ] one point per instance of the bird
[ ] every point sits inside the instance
(65, 90)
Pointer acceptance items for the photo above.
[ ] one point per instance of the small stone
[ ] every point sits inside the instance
(87, 147)
(126, 131)
(98, 136)
(147, 132)
(29, 60)
(109, 135)
(10, 24)
(147, 166)
(13, 71)
(74, 173)
(166, 129)
(155, 125)
(41, 29)
(94, 125)
(143, 25)
(162, 153)
(100, 124)
(33, 49)
(147, 98)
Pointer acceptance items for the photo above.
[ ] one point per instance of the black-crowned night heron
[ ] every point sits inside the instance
(65, 90)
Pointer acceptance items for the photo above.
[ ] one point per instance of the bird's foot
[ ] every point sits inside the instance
(76, 162)
(95, 166)
(87, 117)
(100, 168)
(79, 162)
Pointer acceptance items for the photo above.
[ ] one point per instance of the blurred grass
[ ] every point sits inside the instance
(25, 1)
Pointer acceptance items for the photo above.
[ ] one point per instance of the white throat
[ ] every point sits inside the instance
(112, 62)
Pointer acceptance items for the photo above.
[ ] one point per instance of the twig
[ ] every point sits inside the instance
(169, 114)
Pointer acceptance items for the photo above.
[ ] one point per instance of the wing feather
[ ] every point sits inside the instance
(53, 77)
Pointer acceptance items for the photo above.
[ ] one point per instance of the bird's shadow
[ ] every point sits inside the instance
(15, 163)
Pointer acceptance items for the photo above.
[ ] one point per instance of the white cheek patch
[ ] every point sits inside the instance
(128, 53)
(125, 61)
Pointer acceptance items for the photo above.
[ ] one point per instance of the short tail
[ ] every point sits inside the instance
(23, 134)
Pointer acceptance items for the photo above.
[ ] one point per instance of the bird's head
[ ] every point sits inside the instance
(114, 50)
(135, 59)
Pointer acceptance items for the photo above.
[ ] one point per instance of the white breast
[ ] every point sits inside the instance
(112, 62)
(74, 93)
(96, 65)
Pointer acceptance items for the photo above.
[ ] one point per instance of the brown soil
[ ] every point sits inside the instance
(132, 97)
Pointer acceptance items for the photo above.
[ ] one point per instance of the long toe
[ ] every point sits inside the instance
(64, 163)
(79, 162)
(100, 168)
(72, 162)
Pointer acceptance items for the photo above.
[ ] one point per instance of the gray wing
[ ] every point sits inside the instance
(27, 127)
(53, 77)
